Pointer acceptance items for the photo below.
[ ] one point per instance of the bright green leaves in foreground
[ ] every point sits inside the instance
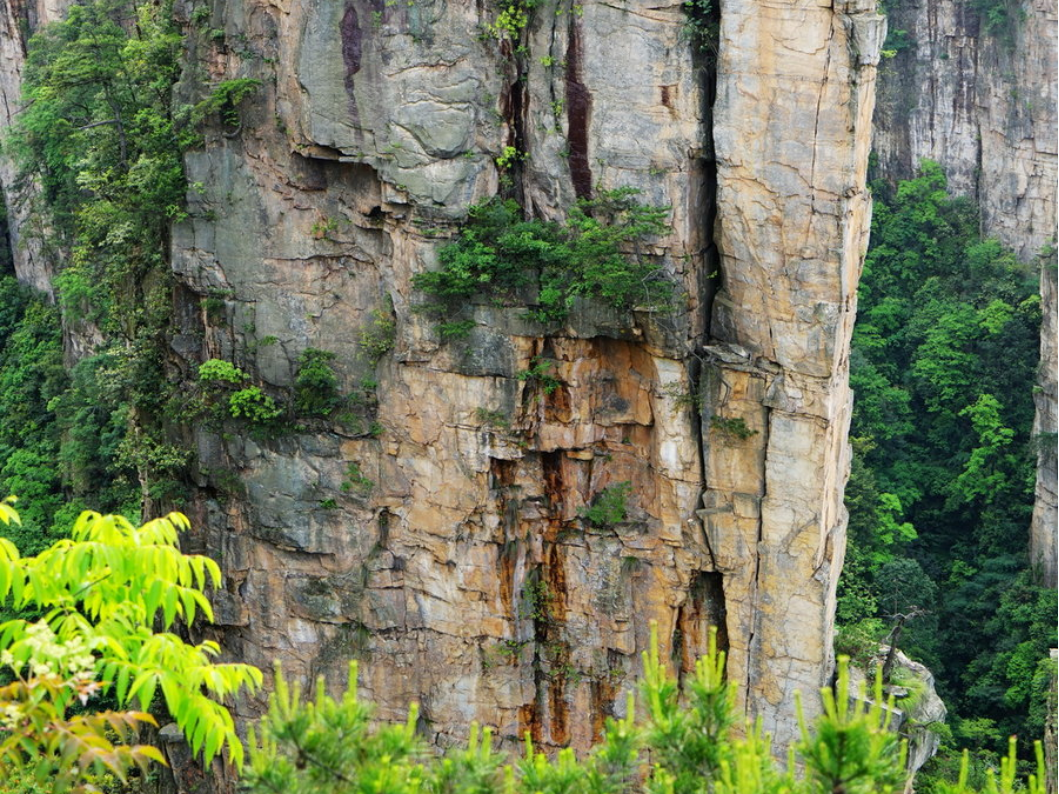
(108, 597)
(678, 745)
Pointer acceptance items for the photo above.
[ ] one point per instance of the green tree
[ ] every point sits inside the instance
(100, 137)
(105, 602)
(944, 357)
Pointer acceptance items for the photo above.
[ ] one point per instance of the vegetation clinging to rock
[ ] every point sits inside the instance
(598, 252)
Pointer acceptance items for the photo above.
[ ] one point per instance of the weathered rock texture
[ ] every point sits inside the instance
(432, 526)
(983, 104)
(463, 574)
(918, 710)
(793, 229)
(18, 20)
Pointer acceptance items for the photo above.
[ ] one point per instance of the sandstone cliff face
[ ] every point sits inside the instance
(433, 530)
(983, 104)
(463, 575)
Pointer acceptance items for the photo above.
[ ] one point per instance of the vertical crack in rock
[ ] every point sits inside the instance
(578, 111)
(705, 57)
(352, 49)
(704, 610)
(816, 129)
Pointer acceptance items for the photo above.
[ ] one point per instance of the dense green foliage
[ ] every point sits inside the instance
(110, 596)
(598, 252)
(31, 377)
(943, 365)
(610, 505)
(99, 139)
(679, 744)
(316, 383)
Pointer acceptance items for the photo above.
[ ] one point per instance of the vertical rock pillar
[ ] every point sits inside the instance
(792, 128)
(1044, 527)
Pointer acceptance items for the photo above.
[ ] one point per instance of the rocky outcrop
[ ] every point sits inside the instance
(435, 530)
(435, 524)
(921, 711)
(454, 562)
(980, 99)
(918, 712)
(792, 234)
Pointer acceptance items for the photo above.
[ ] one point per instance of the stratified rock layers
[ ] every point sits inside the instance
(982, 103)
(432, 527)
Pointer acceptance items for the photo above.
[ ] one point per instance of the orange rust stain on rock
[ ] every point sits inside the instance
(704, 609)
(555, 491)
(557, 406)
(555, 572)
(560, 728)
(528, 721)
(506, 556)
(502, 472)
(503, 477)
(601, 697)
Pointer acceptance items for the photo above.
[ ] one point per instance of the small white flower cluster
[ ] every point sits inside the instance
(50, 656)
(10, 716)
(59, 666)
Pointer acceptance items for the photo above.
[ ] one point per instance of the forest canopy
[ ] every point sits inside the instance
(943, 364)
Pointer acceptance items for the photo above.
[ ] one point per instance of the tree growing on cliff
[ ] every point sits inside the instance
(100, 596)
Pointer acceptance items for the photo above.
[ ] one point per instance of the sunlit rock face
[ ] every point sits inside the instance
(982, 103)
(434, 525)
(456, 562)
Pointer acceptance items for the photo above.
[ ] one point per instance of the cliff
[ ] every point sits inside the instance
(18, 19)
(490, 522)
(978, 95)
(434, 530)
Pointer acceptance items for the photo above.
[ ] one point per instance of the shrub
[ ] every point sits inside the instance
(378, 336)
(539, 372)
(596, 252)
(609, 507)
(316, 384)
(110, 595)
(225, 100)
(216, 370)
(253, 405)
(732, 427)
